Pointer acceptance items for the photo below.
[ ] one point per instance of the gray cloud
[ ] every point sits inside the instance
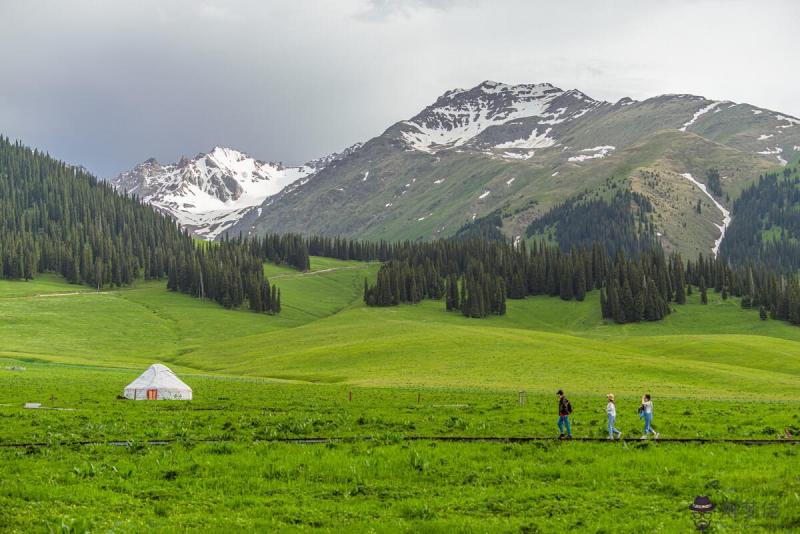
(381, 10)
(108, 84)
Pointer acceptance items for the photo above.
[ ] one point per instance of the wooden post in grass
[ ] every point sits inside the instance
(418, 397)
(350, 397)
(523, 396)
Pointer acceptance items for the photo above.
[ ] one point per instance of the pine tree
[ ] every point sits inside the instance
(580, 285)
(703, 291)
(628, 312)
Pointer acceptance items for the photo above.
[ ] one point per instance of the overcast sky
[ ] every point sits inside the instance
(107, 84)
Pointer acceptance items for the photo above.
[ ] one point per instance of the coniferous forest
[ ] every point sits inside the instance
(621, 222)
(765, 229)
(58, 218)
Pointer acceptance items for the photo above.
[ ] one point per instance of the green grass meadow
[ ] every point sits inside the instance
(385, 379)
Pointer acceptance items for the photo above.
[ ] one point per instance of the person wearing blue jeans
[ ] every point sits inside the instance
(647, 414)
(564, 410)
(611, 411)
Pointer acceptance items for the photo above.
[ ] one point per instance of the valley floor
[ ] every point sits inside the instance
(330, 367)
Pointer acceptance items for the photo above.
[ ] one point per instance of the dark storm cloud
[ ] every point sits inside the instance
(108, 84)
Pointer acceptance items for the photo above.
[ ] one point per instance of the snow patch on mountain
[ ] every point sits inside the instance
(791, 120)
(534, 140)
(597, 152)
(726, 215)
(699, 113)
(777, 151)
(519, 155)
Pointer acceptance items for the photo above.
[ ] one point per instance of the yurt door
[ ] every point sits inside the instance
(152, 394)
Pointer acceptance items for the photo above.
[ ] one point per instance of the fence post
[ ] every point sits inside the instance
(523, 396)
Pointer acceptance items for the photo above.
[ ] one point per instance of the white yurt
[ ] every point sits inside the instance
(158, 383)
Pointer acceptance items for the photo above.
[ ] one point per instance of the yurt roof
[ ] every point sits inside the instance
(158, 376)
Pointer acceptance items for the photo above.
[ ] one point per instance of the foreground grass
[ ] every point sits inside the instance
(390, 487)
(246, 483)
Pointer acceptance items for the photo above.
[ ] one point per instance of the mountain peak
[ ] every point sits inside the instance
(210, 193)
(459, 116)
(491, 86)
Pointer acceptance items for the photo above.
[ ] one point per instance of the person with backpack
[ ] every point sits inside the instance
(646, 412)
(611, 411)
(564, 411)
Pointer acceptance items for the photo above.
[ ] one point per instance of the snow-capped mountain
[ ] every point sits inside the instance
(467, 116)
(209, 193)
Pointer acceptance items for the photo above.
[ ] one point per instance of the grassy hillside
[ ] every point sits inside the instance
(325, 334)
(51, 320)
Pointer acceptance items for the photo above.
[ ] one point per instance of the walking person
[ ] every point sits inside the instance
(646, 411)
(564, 411)
(611, 411)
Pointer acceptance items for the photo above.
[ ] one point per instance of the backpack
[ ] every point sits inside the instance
(569, 407)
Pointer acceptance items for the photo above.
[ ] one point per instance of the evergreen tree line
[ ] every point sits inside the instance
(621, 223)
(400, 281)
(486, 227)
(477, 276)
(765, 229)
(281, 249)
(642, 287)
(226, 272)
(58, 218)
(477, 293)
(713, 182)
(349, 249)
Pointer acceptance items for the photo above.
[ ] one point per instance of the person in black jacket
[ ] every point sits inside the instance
(564, 411)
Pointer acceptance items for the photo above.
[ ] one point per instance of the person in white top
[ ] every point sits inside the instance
(611, 411)
(647, 412)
